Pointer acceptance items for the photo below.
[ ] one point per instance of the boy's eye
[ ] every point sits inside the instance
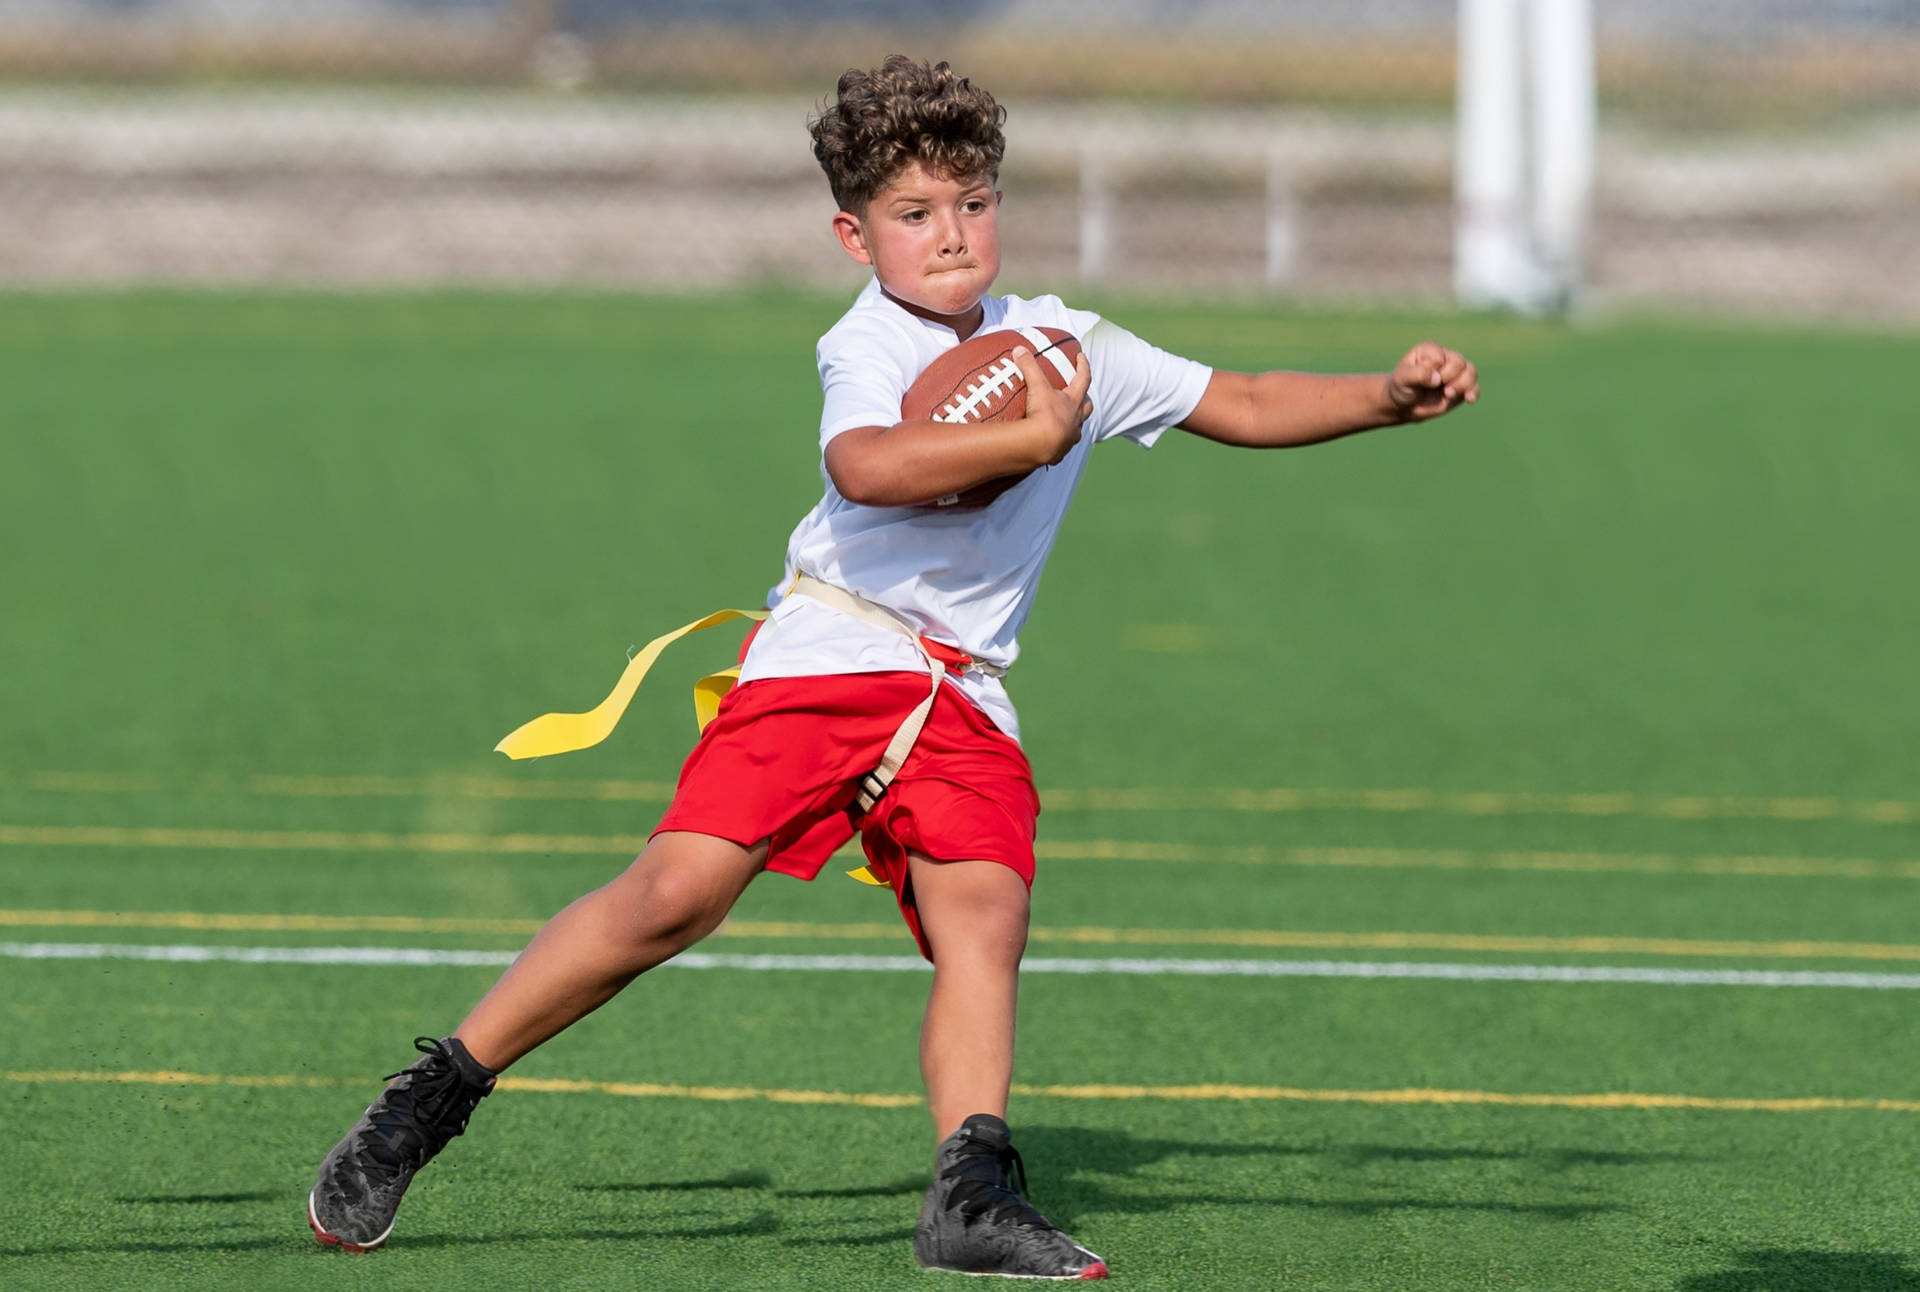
(914, 216)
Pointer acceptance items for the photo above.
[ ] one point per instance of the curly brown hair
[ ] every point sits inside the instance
(881, 121)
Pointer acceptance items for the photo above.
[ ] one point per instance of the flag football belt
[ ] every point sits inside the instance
(561, 733)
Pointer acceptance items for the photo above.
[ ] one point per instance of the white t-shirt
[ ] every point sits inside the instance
(965, 577)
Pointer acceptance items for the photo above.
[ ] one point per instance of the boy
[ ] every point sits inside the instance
(885, 590)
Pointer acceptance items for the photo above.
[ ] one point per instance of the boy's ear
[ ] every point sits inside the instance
(853, 237)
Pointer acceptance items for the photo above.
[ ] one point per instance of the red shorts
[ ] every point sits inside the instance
(783, 759)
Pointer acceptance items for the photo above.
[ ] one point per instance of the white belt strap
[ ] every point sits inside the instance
(557, 733)
(874, 783)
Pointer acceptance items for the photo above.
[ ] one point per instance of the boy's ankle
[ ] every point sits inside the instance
(470, 1068)
(984, 1128)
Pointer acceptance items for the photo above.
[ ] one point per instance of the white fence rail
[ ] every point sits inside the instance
(331, 187)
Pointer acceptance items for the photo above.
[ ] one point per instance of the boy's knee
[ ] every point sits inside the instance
(670, 898)
(997, 939)
(1005, 915)
(979, 914)
(680, 896)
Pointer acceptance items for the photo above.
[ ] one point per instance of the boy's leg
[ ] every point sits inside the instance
(973, 915)
(675, 893)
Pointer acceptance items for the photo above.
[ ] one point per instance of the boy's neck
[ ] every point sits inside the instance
(964, 324)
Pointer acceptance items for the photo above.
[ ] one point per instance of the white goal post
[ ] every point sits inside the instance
(1523, 152)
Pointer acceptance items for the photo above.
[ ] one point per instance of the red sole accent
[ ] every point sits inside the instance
(326, 1239)
(1097, 1270)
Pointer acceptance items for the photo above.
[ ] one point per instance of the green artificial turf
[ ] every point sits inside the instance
(253, 547)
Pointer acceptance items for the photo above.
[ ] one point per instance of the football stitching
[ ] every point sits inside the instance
(1001, 379)
(1004, 375)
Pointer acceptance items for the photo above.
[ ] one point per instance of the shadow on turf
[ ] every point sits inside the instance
(1378, 1206)
(1069, 1164)
(758, 1226)
(1775, 1269)
(1087, 1149)
(907, 1187)
(1558, 1159)
(854, 1240)
(913, 1185)
(190, 1199)
(1079, 1149)
(738, 1180)
(288, 1242)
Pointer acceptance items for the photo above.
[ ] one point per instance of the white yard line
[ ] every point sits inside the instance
(1149, 966)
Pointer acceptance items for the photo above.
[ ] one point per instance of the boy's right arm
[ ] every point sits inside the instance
(910, 463)
(1272, 410)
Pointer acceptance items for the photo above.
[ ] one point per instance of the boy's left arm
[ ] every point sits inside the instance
(1273, 410)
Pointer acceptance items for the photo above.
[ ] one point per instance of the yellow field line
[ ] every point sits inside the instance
(1469, 803)
(330, 787)
(1684, 807)
(1465, 859)
(723, 1094)
(266, 923)
(1277, 939)
(1609, 1100)
(381, 841)
(1269, 939)
(112, 836)
(164, 1078)
(1280, 939)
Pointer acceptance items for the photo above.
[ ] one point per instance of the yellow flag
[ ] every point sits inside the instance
(562, 733)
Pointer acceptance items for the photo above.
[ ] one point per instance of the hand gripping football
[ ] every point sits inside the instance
(978, 381)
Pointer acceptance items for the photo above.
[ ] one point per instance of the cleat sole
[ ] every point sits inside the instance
(326, 1239)
(1097, 1270)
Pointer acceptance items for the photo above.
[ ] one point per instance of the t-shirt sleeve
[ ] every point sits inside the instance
(1139, 390)
(862, 378)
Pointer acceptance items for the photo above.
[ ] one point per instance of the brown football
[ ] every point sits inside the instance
(978, 381)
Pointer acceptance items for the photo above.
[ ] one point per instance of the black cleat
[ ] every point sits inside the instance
(975, 1220)
(363, 1179)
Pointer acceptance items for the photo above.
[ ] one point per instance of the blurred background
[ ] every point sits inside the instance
(1750, 156)
(496, 360)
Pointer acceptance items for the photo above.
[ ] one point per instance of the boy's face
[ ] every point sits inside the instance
(933, 243)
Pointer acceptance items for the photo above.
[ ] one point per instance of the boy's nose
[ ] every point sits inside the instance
(953, 240)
